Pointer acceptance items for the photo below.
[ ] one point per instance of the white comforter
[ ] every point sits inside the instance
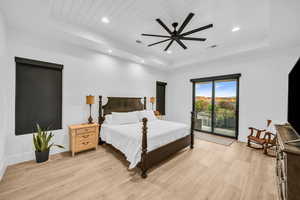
(127, 138)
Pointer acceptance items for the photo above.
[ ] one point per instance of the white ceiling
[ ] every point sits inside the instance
(79, 22)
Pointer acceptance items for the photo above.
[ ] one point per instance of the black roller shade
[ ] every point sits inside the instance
(38, 95)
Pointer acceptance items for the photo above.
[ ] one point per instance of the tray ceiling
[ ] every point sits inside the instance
(80, 21)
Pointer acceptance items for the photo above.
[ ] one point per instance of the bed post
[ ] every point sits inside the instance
(192, 129)
(100, 119)
(145, 103)
(100, 108)
(144, 149)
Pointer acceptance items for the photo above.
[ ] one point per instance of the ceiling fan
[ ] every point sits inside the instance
(177, 35)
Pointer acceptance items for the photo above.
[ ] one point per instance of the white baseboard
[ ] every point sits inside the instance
(3, 166)
(18, 158)
(242, 139)
(27, 156)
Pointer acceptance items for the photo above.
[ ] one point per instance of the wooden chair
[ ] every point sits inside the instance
(270, 142)
(258, 136)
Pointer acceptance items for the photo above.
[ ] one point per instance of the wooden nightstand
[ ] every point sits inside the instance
(83, 137)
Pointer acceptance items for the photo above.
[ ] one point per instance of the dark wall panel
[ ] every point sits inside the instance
(294, 97)
(161, 97)
(38, 95)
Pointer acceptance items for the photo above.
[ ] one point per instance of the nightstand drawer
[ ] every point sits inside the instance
(86, 136)
(85, 130)
(84, 145)
(82, 140)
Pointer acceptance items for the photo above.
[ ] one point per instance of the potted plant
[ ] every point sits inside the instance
(41, 142)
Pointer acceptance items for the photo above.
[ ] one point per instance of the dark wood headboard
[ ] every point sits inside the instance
(120, 104)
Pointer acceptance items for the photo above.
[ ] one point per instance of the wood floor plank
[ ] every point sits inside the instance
(209, 172)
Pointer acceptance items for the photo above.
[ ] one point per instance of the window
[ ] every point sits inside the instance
(161, 97)
(38, 95)
(216, 104)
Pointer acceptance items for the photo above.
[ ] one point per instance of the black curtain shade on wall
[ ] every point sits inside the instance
(38, 95)
(215, 78)
(161, 97)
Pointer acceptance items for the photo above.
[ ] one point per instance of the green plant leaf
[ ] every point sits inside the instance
(35, 143)
(49, 137)
(50, 146)
(42, 138)
(59, 146)
(38, 128)
(39, 142)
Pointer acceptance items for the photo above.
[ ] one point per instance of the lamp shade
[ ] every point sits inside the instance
(152, 99)
(90, 99)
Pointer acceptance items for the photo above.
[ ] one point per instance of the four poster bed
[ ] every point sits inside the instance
(147, 142)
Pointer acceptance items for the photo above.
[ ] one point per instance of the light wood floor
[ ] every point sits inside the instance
(208, 172)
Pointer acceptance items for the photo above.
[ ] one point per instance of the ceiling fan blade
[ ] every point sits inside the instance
(180, 43)
(163, 36)
(193, 39)
(197, 30)
(158, 42)
(186, 21)
(165, 27)
(169, 45)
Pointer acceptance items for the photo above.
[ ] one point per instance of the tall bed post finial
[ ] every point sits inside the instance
(100, 119)
(192, 129)
(144, 149)
(100, 107)
(145, 103)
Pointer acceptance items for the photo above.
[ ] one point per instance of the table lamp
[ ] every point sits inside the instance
(90, 100)
(152, 101)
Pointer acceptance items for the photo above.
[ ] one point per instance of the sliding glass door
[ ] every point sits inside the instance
(216, 105)
(203, 106)
(225, 107)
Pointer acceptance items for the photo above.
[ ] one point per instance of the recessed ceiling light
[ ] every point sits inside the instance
(105, 20)
(109, 51)
(143, 61)
(234, 29)
(169, 52)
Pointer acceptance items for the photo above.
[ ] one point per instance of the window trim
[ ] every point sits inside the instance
(164, 84)
(213, 79)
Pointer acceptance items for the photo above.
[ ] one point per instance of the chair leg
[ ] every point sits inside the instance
(248, 144)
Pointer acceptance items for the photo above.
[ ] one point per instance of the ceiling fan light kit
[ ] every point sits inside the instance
(178, 35)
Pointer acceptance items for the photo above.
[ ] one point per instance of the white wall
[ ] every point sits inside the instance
(85, 72)
(263, 86)
(4, 100)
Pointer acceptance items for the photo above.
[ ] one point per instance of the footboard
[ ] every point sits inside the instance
(149, 159)
(158, 155)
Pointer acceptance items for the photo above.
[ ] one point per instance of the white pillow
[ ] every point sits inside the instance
(124, 118)
(108, 119)
(149, 114)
